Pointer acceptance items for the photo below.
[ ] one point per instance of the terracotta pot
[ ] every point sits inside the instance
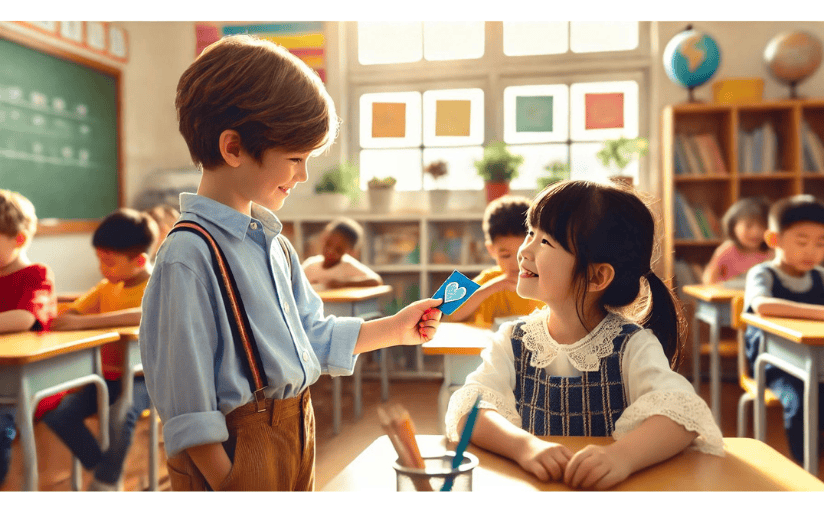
(496, 189)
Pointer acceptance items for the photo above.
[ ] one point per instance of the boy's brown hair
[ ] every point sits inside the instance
(259, 89)
(17, 214)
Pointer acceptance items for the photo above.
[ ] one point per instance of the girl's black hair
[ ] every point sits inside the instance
(605, 224)
(747, 208)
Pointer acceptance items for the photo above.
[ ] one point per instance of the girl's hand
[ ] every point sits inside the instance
(596, 467)
(418, 321)
(543, 459)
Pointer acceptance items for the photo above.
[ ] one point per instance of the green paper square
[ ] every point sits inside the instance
(533, 113)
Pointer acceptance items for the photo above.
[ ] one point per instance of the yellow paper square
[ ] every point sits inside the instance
(388, 119)
(452, 118)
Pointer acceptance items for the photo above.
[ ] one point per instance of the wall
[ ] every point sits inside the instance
(160, 51)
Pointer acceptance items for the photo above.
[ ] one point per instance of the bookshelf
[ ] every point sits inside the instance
(772, 149)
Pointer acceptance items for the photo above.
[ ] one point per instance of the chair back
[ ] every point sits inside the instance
(735, 320)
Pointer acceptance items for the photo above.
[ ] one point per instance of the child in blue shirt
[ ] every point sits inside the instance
(251, 114)
(790, 285)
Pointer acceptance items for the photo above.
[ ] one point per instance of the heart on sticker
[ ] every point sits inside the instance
(453, 292)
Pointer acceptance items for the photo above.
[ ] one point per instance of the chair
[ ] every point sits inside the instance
(746, 380)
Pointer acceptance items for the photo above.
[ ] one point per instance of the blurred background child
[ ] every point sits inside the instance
(504, 226)
(336, 267)
(744, 225)
(27, 298)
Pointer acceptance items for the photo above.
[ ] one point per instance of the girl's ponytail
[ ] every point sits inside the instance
(665, 318)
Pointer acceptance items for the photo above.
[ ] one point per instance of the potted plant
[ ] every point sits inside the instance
(339, 186)
(497, 168)
(557, 171)
(620, 152)
(381, 193)
(438, 197)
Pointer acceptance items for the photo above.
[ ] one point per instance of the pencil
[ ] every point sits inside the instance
(407, 447)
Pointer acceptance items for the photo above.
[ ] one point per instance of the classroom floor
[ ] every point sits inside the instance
(334, 452)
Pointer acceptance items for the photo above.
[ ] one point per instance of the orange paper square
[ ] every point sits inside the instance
(388, 119)
(452, 118)
(604, 110)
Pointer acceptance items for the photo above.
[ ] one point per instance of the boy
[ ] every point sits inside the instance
(251, 114)
(790, 285)
(504, 226)
(27, 299)
(123, 242)
(336, 268)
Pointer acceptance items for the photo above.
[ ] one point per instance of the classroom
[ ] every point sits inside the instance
(437, 120)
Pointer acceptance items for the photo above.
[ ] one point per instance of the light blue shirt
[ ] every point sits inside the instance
(193, 371)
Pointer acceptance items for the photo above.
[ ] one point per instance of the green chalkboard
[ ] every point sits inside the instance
(58, 131)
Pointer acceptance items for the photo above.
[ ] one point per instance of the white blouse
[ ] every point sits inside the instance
(651, 386)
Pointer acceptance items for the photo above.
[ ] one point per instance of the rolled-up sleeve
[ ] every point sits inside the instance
(178, 346)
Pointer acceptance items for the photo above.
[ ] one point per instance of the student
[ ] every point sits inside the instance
(251, 114)
(27, 298)
(577, 367)
(504, 226)
(122, 241)
(744, 247)
(789, 285)
(165, 216)
(336, 267)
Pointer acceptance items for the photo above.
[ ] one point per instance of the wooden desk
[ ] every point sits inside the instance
(713, 306)
(749, 465)
(37, 365)
(362, 303)
(460, 345)
(797, 347)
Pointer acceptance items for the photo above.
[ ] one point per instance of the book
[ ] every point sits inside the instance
(816, 148)
(682, 227)
(695, 227)
(757, 150)
(809, 161)
(744, 152)
(713, 221)
(702, 223)
(692, 159)
(704, 153)
(768, 156)
(718, 157)
(683, 273)
(699, 162)
(681, 163)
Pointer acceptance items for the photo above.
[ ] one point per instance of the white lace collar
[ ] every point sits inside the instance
(585, 354)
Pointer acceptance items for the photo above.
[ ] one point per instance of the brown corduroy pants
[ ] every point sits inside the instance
(273, 450)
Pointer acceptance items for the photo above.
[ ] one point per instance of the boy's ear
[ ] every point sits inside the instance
(141, 259)
(600, 276)
(230, 148)
(21, 239)
(771, 237)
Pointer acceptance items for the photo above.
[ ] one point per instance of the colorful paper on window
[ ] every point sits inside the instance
(206, 35)
(604, 110)
(452, 118)
(388, 119)
(533, 113)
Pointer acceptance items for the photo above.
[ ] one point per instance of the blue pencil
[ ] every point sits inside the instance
(466, 435)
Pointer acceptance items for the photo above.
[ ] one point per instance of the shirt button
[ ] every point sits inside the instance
(254, 225)
(305, 355)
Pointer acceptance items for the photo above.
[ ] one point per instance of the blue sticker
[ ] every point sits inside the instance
(454, 292)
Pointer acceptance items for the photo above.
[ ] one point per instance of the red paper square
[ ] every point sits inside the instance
(604, 110)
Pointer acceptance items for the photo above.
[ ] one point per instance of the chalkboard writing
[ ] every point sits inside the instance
(58, 133)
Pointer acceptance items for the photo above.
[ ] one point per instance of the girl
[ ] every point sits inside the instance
(577, 367)
(744, 226)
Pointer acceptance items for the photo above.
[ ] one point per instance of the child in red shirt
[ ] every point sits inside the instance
(27, 298)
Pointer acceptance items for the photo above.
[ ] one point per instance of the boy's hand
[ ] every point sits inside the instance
(595, 467)
(501, 283)
(68, 322)
(418, 321)
(543, 459)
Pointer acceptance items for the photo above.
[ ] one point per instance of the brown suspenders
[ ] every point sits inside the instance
(241, 331)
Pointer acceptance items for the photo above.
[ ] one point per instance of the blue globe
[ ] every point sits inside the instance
(691, 58)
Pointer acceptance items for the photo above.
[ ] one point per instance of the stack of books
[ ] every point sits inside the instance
(697, 222)
(758, 150)
(698, 154)
(813, 149)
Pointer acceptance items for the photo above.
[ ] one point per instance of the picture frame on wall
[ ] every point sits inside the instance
(96, 35)
(118, 43)
(72, 30)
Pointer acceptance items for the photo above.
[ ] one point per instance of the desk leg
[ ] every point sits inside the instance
(759, 407)
(696, 355)
(715, 366)
(357, 389)
(383, 354)
(25, 425)
(811, 414)
(336, 397)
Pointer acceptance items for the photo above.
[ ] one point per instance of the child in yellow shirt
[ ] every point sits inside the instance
(504, 227)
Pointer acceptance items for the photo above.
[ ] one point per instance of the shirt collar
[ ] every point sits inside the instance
(228, 219)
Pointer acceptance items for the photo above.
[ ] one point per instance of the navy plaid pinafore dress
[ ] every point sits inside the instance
(588, 405)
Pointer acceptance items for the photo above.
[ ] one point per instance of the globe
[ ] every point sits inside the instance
(691, 58)
(793, 56)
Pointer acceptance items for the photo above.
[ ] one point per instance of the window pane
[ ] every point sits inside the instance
(445, 40)
(536, 157)
(535, 37)
(390, 119)
(403, 164)
(603, 36)
(603, 110)
(536, 113)
(586, 166)
(453, 117)
(382, 42)
(461, 173)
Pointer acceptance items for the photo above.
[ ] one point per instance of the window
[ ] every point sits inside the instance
(427, 91)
